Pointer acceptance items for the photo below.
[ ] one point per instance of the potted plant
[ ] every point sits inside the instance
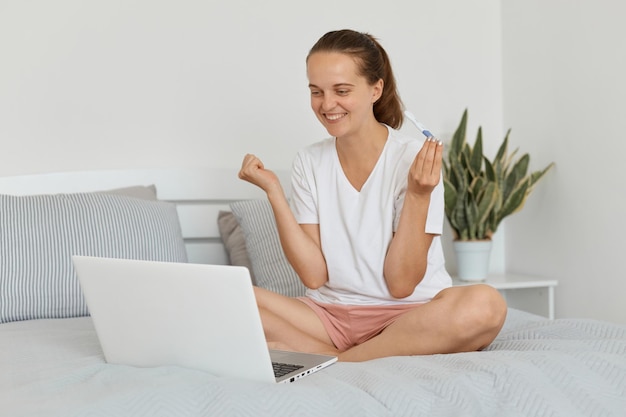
(480, 193)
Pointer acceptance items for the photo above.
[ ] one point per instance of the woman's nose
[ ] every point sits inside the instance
(328, 103)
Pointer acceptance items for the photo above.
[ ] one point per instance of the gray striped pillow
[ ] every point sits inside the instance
(271, 268)
(38, 235)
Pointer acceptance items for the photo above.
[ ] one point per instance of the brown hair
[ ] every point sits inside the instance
(373, 64)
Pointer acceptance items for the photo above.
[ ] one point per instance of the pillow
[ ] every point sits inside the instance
(38, 235)
(271, 268)
(234, 241)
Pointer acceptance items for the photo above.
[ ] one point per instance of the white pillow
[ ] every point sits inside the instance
(39, 234)
(271, 268)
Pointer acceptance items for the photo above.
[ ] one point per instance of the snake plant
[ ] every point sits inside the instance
(480, 193)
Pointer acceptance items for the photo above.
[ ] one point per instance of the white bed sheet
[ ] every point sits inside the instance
(535, 367)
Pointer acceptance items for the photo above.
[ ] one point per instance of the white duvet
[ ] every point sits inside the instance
(535, 367)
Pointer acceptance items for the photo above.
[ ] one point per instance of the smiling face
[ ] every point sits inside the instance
(341, 99)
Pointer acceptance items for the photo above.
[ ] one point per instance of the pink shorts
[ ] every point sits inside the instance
(350, 325)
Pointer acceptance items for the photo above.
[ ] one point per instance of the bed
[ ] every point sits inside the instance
(51, 363)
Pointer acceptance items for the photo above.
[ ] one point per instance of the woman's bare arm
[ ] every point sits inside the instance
(407, 257)
(301, 243)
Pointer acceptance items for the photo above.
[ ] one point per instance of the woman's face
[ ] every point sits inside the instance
(342, 100)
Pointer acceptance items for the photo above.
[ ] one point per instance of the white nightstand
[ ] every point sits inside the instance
(524, 292)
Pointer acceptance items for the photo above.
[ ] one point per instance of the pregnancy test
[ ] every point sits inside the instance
(417, 124)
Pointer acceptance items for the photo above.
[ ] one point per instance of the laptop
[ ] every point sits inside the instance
(196, 316)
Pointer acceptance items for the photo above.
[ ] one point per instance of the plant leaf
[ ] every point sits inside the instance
(515, 201)
(449, 197)
(471, 215)
(537, 175)
(487, 202)
(516, 174)
(458, 139)
(476, 159)
(502, 151)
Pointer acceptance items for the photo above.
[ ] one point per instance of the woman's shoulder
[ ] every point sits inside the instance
(317, 149)
(403, 144)
(315, 154)
(401, 138)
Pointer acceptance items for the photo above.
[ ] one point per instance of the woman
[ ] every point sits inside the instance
(363, 230)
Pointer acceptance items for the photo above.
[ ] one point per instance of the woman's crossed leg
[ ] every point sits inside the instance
(458, 319)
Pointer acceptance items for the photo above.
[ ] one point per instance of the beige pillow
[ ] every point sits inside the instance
(271, 268)
(234, 241)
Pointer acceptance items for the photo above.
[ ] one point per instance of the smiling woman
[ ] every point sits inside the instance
(372, 64)
(341, 99)
(363, 230)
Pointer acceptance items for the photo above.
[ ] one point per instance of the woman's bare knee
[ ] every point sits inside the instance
(493, 306)
(476, 312)
(485, 314)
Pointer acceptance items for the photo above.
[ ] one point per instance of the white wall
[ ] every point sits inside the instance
(565, 96)
(142, 83)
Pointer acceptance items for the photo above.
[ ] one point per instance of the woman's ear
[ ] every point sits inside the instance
(377, 90)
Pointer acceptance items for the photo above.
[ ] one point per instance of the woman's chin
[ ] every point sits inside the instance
(334, 129)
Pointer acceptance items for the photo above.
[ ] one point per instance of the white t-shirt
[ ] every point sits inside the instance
(356, 227)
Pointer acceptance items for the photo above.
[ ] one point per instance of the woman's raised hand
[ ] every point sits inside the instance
(253, 171)
(425, 172)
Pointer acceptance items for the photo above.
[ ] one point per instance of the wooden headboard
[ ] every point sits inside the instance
(199, 194)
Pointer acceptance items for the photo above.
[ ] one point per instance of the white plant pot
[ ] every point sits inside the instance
(472, 259)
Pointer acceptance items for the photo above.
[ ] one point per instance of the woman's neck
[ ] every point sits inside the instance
(358, 155)
(368, 142)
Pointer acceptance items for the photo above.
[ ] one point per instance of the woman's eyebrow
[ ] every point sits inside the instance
(334, 85)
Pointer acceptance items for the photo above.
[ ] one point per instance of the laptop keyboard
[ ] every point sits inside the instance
(281, 369)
